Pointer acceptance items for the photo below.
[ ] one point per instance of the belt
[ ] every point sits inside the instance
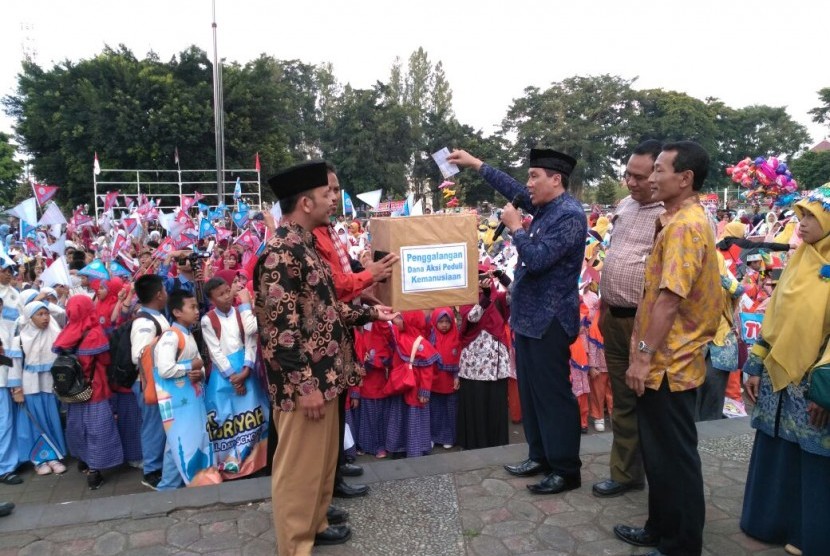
(622, 312)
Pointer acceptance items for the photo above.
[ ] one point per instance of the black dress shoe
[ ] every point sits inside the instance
(334, 534)
(554, 484)
(336, 516)
(527, 468)
(6, 508)
(638, 536)
(610, 488)
(345, 490)
(351, 470)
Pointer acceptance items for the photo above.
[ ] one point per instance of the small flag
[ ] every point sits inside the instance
(111, 200)
(202, 207)
(57, 273)
(119, 269)
(59, 247)
(371, 198)
(237, 189)
(44, 192)
(257, 167)
(26, 229)
(249, 240)
(206, 228)
(222, 234)
(176, 155)
(95, 270)
(240, 218)
(27, 210)
(348, 206)
(96, 168)
(165, 248)
(51, 216)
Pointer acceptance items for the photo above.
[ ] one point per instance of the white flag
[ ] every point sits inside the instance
(96, 168)
(371, 198)
(57, 274)
(417, 209)
(59, 247)
(51, 216)
(26, 211)
(55, 231)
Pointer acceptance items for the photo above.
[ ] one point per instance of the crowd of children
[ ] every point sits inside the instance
(183, 416)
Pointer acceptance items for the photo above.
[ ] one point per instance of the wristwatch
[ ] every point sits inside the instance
(645, 348)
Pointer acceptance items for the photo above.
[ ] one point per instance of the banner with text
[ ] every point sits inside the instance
(434, 267)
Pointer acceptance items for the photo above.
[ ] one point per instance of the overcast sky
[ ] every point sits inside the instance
(758, 52)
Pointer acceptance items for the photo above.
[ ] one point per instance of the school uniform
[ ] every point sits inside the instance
(153, 439)
(243, 451)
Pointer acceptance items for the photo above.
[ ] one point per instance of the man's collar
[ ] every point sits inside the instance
(667, 217)
(182, 327)
(221, 314)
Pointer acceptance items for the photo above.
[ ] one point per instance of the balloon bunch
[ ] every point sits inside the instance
(449, 194)
(765, 178)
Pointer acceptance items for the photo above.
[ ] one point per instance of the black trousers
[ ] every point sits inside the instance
(550, 412)
(711, 394)
(668, 440)
(341, 453)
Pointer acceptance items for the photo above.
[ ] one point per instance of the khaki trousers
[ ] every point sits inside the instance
(301, 479)
(626, 458)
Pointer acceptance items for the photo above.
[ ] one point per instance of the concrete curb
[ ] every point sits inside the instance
(153, 504)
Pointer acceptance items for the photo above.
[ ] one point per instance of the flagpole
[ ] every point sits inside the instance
(179, 170)
(218, 119)
(95, 191)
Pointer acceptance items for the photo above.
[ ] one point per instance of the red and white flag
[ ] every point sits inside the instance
(44, 192)
(257, 167)
(249, 240)
(111, 200)
(96, 168)
(187, 202)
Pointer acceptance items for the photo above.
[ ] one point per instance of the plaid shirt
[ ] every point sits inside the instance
(632, 238)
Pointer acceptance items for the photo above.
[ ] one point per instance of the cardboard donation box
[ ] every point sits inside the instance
(439, 260)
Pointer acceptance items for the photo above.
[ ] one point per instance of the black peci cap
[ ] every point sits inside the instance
(298, 178)
(552, 160)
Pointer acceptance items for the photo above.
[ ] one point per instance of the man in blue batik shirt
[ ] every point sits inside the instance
(544, 311)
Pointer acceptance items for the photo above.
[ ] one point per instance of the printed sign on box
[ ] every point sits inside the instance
(434, 267)
(439, 260)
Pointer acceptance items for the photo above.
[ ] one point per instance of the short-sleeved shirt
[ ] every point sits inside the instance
(683, 261)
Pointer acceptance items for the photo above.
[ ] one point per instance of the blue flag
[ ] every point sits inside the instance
(240, 218)
(348, 206)
(202, 207)
(119, 270)
(26, 230)
(206, 228)
(237, 189)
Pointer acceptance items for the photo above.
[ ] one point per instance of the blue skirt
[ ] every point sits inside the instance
(8, 441)
(443, 410)
(93, 435)
(126, 408)
(787, 496)
(408, 429)
(371, 425)
(31, 444)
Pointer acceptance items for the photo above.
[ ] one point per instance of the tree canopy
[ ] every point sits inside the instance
(134, 112)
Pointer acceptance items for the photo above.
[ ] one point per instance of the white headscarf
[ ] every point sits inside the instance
(37, 343)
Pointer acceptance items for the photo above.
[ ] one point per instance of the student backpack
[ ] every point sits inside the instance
(121, 370)
(147, 362)
(69, 383)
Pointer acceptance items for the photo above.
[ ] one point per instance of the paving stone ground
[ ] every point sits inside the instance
(448, 504)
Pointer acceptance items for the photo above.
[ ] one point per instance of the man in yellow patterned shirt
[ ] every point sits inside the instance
(675, 321)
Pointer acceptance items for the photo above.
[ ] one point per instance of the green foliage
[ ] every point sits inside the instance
(821, 113)
(607, 191)
(582, 116)
(811, 169)
(11, 171)
(135, 112)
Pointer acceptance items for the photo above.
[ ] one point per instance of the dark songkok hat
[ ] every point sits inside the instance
(552, 160)
(298, 178)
